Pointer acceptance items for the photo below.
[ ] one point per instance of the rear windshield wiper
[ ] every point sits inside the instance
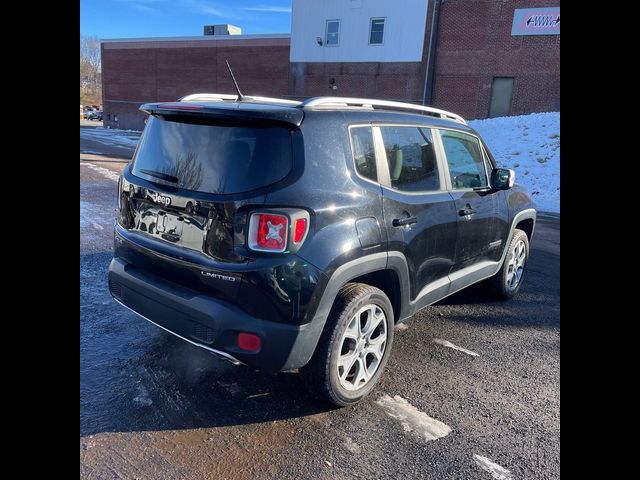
(163, 176)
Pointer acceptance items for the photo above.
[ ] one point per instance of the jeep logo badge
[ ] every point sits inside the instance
(162, 199)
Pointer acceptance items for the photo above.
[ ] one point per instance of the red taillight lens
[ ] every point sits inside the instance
(268, 232)
(299, 229)
(249, 342)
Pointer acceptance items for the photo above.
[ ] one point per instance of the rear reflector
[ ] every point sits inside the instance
(299, 229)
(268, 232)
(248, 342)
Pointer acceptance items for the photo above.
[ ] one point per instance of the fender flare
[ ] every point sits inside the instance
(305, 344)
(526, 214)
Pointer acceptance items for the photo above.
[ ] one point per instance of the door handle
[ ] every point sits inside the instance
(466, 211)
(399, 222)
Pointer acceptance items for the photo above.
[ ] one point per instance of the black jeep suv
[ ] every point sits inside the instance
(294, 235)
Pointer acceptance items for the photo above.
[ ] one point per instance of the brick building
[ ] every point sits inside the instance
(477, 58)
(136, 71)
(476, 49)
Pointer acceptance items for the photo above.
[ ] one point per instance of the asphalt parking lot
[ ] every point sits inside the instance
(153, 406)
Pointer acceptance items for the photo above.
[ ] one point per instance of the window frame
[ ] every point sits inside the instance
(486, 161)
(326, 32)
(384, 28)
(375, 182)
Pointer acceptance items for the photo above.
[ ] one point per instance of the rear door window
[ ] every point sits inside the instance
(212, 158)
(411, 158)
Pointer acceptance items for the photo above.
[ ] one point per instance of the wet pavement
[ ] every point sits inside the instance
(153, 406)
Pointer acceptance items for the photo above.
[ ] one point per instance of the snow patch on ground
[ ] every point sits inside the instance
(496, 471)
(412, 419)
(352, 446)
(84, 214)
(94, 217)
(110, 136)
(530, 145)
(142, 398)
(233, 388)
(111, 175)
(447, 343)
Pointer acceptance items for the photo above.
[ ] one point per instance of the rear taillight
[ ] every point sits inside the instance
(277, 230)
(268, 232)
(299, 230)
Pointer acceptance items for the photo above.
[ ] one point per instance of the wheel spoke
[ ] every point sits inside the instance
(510, 272)
(346, 362)
(378, 340)
(373, 325)
(363, 373)
(353, 329)
(376, 349)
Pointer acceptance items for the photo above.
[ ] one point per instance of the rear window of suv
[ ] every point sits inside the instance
(212, 158)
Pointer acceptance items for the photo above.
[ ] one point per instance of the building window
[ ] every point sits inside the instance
(376, 31)
(332, 37)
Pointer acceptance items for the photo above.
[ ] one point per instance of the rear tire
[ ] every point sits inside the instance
(507, 282)
(354, 347)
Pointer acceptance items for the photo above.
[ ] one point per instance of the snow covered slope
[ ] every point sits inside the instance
(529, 144)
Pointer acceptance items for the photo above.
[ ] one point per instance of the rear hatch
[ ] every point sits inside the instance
(196, 173)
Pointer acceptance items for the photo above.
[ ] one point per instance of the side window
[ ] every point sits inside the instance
(464, 156)
(364, 155)
(411, 159)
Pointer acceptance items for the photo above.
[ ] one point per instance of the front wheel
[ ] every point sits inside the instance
(354, 347)
(507, 282)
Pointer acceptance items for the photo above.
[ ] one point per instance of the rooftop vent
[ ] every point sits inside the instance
(223, 29)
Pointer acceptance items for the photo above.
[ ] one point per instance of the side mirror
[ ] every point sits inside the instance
(502, 178)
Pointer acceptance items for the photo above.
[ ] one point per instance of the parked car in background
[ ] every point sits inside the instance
(95, 115)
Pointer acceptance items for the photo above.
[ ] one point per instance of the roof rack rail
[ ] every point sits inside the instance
(371, 103)
(221, 97)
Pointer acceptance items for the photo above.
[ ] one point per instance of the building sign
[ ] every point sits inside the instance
(536, 21)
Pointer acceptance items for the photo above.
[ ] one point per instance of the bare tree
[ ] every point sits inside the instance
(90, 70)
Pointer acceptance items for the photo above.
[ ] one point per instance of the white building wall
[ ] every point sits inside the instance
(404, 30)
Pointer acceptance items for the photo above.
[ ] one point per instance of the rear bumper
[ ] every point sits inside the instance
(211, 323)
